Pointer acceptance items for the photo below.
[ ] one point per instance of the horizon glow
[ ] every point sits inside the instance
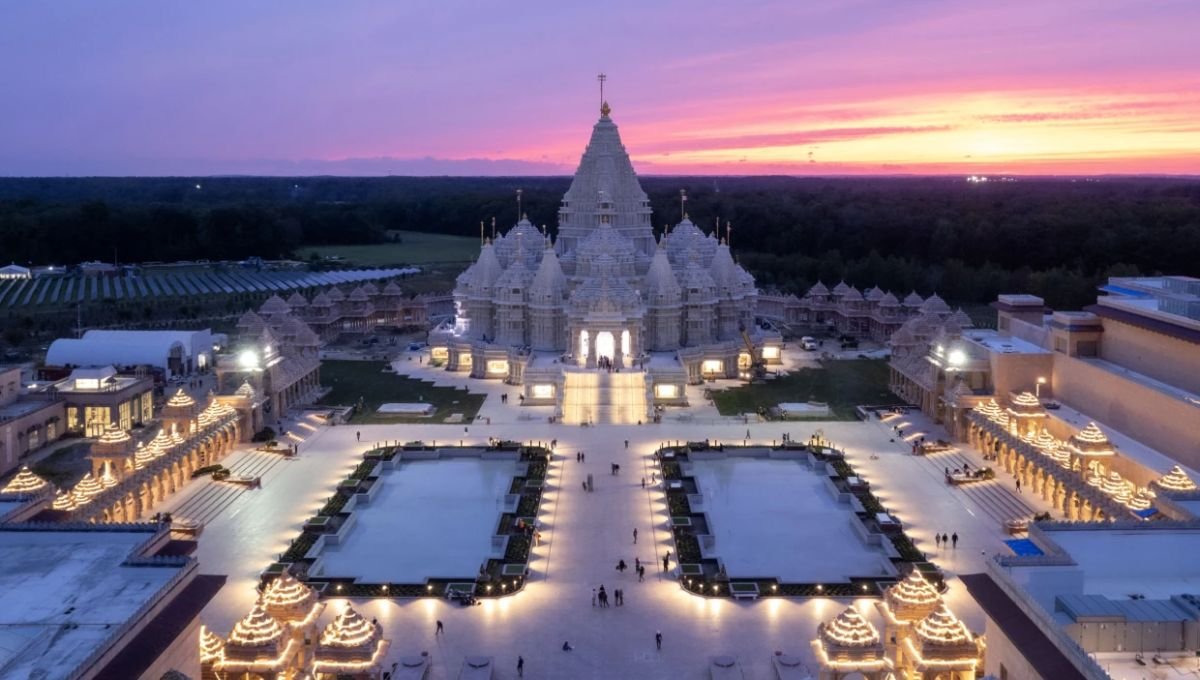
(822, 87)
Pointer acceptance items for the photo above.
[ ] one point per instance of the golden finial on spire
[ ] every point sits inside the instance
(604, 108)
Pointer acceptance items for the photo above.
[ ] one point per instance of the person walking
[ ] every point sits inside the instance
(626, 443)
(641, 573)
(1018, 485)
(520, 666)
(637, 563)
(954, 540)
(621, 566)
(643, 482)
(441, 629)
(937, 539)
(358, 436)
(945, 538)
(593, 597)
(666, 563)
(658, 639)
(635, 536)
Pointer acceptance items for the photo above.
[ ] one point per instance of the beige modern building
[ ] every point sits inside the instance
(27, 421)
(97, 397)
(1130, 364)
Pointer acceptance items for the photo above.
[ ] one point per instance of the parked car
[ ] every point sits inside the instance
(808, 344)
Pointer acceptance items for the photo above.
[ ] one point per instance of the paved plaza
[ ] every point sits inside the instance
(585, 534)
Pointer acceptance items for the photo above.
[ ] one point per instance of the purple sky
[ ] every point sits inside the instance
(820, 86)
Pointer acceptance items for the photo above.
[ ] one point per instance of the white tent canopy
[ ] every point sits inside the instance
(175, 352)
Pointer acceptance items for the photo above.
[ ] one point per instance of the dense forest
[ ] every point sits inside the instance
(1055, 237)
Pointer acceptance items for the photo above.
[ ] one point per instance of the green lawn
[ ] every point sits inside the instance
(66, 466)
(353, 380)
(414, 248)
(842, 384)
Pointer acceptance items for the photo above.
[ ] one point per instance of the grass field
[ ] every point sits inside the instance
(414, 248)
(353, 380)
(842, 384)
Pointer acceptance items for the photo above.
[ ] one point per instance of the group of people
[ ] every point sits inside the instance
(606, 364)
(600, 597)
(943, 540)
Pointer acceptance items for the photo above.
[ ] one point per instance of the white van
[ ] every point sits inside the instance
(808, 344)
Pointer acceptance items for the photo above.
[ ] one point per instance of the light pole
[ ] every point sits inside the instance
(1037, 389)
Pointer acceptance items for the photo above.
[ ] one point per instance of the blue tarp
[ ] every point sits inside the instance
(1146, 514)
(1023, 547)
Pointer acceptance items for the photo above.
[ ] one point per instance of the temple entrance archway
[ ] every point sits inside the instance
(606, 346)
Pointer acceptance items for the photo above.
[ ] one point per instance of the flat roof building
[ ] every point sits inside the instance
(98, 601)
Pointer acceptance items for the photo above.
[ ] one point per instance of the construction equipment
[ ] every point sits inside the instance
(758, 369)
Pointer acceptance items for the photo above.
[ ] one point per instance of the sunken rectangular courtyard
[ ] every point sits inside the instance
(430, 519)
(777, 519)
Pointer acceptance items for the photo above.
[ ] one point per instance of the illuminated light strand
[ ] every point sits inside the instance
(1027, 400)
(913, 591)
(1095, 479)
(113, 435)
(161, 443)
(1061, 455)
(991, 410)
(350, 630)
(87, 488)
(107, 480)
(181, 399)
(1090, 441)
(257, 629)
(65, 500)
(1046, 442)
(212, 647)
(1092, 435)
(287, 590)
(144, 455)
(1116, 486)
(942, 628)
(1176, 480)
(25, 482)
(849, 630)
(1140, 501)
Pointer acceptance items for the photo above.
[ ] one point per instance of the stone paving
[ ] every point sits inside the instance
(584, 536)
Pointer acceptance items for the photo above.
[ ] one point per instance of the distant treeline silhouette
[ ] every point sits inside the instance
(1054, 237)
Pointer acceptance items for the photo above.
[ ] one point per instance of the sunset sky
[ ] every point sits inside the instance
(465, 88)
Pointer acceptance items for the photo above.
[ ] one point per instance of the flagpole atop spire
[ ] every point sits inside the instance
(601, 78)
(682, 204)
(519, 215)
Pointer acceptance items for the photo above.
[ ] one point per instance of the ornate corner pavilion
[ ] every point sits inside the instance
(922, 639)
(279, 640)
(849, 646)
(902, 606)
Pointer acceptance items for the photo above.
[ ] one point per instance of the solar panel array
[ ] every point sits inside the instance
(69, 290)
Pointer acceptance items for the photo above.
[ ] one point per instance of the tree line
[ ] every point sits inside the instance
(1055, 237)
